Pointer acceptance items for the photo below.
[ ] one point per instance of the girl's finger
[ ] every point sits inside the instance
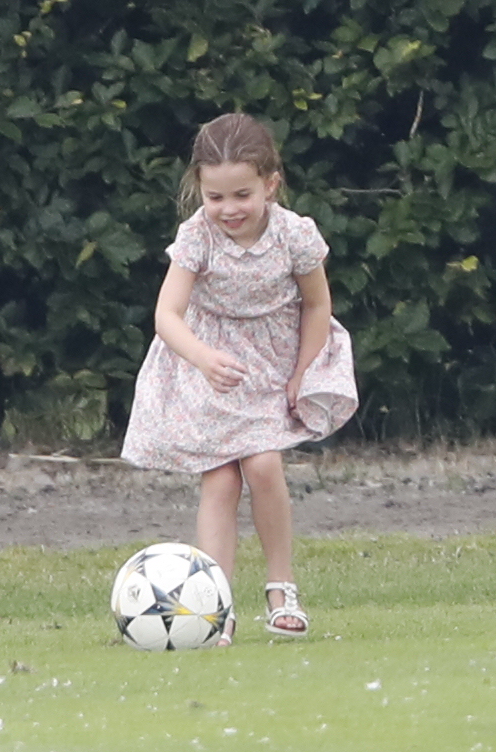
(236, 367)
(231, 375)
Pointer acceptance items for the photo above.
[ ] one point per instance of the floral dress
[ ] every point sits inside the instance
(245, 302)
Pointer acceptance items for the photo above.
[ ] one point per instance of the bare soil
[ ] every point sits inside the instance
(62, 503)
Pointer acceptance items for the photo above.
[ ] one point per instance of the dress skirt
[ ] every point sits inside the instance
(179, 422)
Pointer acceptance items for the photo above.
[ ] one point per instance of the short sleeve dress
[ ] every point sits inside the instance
(245, 302)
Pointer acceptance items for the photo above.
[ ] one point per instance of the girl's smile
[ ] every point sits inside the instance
(235, 198)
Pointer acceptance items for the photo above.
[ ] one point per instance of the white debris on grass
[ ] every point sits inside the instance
(230, 731)
(373, 686)
(54, 683)
(1, 724)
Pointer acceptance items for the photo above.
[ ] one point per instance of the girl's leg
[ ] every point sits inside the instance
(272, 516)
(216, 522)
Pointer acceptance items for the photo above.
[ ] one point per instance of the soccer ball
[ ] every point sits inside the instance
(170, 596)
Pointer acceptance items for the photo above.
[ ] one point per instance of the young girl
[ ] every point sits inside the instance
(246, 360)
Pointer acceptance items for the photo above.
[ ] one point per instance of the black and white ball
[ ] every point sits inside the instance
(170, 596)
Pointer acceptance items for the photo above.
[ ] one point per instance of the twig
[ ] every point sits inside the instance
(393, 191)
(45, 457)
(418, 114)
(66, 458)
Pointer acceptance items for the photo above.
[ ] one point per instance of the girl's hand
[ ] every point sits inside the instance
(221, 370)
(292, 389)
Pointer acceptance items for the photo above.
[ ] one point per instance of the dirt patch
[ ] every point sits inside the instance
(372, 490)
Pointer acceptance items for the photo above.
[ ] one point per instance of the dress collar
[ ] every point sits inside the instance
(268, 239)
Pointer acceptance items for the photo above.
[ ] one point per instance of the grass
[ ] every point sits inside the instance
(401, 657)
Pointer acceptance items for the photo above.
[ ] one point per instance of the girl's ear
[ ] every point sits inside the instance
(271, 185)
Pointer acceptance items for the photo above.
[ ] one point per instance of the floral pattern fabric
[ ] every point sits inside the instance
(245, 302)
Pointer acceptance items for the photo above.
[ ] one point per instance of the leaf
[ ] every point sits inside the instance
(470, 264)
(429, 341)
(86, 253)
(98, 221)
(12, 362)
(379, 244)
(105, 94)
(143, 55)
(120, 247)
(118, 42)
(69, 99)
(489, 51)
(198, 47)
(49, 119)
(88, 415)
(109, 119)
(310, 5)
(353, 278)
(10, 130)
(24, 107)
(368, 43)
(259, 87)
(412, 317)
(90, 379)
(369, 363)
(409, 49)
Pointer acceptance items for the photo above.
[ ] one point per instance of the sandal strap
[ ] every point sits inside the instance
(281, 611)
(290, 594)
(284, 586)
(225, 635)
(291, 606)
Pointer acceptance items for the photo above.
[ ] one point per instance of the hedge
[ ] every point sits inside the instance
(385, 113)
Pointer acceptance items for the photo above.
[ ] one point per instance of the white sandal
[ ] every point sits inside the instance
(225, 635)
(291, 607)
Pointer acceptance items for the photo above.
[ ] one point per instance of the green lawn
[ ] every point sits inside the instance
(401, 657)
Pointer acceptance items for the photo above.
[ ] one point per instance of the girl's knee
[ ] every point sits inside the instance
(225, 480)
(263, 469)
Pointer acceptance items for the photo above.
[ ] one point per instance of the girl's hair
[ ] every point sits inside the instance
(235, 137)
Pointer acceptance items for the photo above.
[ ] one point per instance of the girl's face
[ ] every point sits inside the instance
(235, 199)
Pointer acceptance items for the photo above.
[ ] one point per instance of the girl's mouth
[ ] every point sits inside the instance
(233, 224)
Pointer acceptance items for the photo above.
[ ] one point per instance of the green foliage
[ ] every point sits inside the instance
(385, 115)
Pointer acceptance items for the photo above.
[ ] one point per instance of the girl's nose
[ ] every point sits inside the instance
(229, 209)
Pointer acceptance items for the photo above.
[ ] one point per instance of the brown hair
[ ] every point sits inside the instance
(235, 137)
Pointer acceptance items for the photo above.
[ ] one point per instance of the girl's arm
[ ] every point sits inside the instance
(314, 324)
(219, 368)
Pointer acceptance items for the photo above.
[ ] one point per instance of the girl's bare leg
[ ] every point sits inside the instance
(272, 516)
(216, 522)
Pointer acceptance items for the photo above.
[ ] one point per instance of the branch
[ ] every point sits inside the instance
(392, 191)
(418, 114)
